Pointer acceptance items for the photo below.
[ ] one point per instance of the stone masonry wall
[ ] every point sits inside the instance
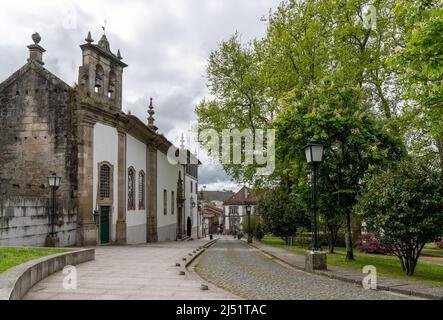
(24, 221)
(37, 138)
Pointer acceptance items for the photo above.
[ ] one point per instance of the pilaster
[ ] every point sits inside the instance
(121, 218)
(151, 195)
(87, 227)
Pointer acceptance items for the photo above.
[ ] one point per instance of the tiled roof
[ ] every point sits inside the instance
(212, 211)
(216, 195)
(243, 197)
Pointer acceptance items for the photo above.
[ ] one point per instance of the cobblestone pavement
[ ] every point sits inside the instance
(145, 272)
(235, 267)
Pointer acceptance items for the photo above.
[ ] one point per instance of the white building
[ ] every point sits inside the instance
(235, 210)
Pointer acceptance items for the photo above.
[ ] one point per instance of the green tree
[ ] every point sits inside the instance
(404, 208)
(420, 64)
(256, 226)
(336, 115)
(283, 213)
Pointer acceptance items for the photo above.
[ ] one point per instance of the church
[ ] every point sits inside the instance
(118, 184)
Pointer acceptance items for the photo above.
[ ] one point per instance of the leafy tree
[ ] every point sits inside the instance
(256, 226)
(333, 215)
(336, 115)
(420, 63)
(239, 101)
(283, 213)
(404, 207)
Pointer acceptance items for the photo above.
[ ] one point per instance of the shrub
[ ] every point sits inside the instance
(369, 244)
(404, 206)
(440, 243)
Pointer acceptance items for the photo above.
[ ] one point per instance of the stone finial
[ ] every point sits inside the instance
(35, 50)
(119, 55)
(89, 38)
(151, 119)
(36, 38)
(182, 142)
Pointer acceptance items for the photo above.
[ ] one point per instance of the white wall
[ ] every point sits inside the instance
(136, 219)
(106, 149)
(167, 177)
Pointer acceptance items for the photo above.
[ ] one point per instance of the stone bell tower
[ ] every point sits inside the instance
(100, 76)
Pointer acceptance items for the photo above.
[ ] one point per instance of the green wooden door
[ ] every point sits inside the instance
(104, 225)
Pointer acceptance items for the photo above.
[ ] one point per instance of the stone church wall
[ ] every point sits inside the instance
(24, 221)
(37, 138)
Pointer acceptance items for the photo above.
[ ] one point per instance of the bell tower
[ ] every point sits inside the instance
(100, 77)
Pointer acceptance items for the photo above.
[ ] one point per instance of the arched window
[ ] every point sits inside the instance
(105, 182)
(131, 189)
(99, 77)
(112, 85)
(141, 190)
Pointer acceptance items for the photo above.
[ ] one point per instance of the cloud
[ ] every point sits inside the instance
(166, 44)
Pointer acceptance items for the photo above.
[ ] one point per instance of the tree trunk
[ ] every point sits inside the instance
(348, 237)
(439, 142)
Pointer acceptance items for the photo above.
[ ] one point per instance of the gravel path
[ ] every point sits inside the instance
(236, 267)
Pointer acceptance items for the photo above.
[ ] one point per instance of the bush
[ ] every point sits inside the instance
(440, 243)
(368, 244)
(404, 207)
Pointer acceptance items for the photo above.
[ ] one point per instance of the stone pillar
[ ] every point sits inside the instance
(87, 228)
(315, 260)
(151, 195)
(121, 173)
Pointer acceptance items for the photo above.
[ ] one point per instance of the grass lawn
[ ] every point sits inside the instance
(11, 257)
(431, 250)
(387, 266)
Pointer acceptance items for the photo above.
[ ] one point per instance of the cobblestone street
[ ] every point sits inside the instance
(235, 267)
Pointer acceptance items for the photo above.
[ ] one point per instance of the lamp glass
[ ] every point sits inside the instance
(314, 153)
(54, 181)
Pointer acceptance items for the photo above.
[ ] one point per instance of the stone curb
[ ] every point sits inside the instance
(196, 255)
(411, 289)
(16, 282)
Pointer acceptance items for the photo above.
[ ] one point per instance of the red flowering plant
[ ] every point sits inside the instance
(369, 244)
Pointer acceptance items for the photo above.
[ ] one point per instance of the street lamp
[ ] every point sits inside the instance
(248, 212)
(54, 184)
(314, 156)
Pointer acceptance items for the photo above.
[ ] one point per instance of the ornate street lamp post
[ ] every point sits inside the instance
(248, 212)
(54, 184)
(315, 260)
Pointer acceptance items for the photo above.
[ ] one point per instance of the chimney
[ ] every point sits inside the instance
(35, 50)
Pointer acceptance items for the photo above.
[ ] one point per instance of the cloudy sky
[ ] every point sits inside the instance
(165, 42)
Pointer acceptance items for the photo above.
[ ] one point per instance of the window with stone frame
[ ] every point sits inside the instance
(131, 189)
(172, 202)
(165, 202)
(105, 182)
(141, 191)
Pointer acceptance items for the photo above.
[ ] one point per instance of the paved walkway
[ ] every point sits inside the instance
(238, 268)
(145, 272)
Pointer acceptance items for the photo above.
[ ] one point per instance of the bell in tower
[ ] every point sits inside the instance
(101, 75)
